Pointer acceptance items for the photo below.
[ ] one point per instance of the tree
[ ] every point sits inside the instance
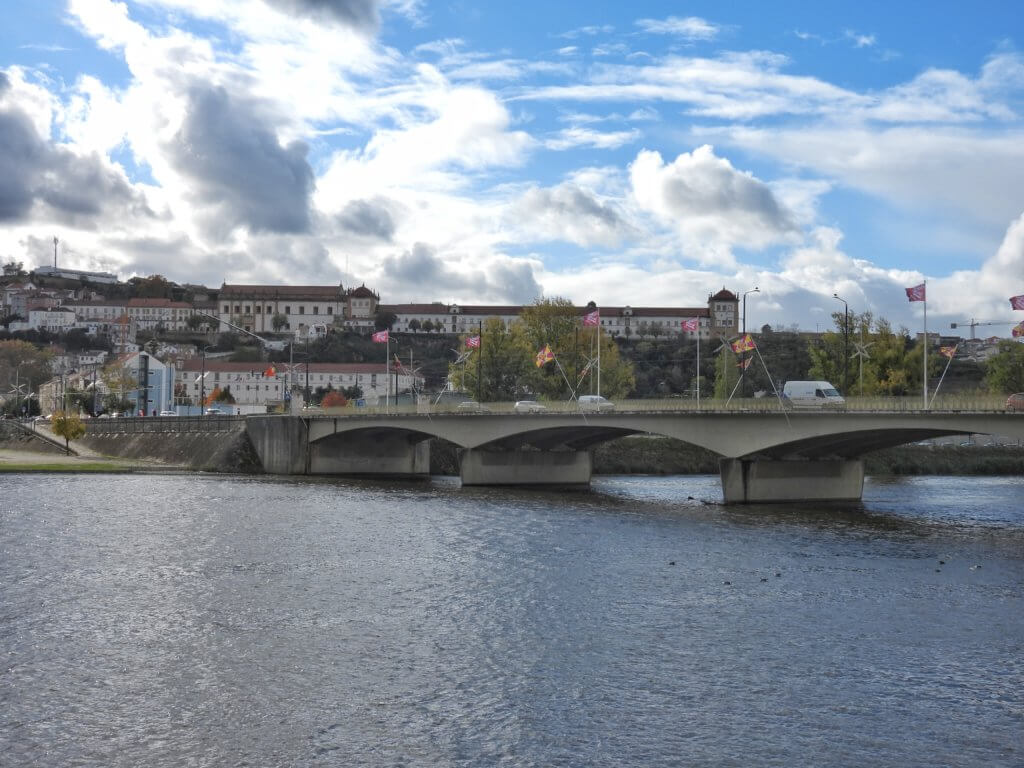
(119, 381)
(414, 325)
(22, 366)
(1004, 372)
(152, 287)
(67, 425)
(333, 400)
(278, 321)
(193, 322)
(428, 325)
(726, 373)
(500, 368)
(223, 395)
(384, 319)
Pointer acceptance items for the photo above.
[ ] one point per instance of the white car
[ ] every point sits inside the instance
(595, 403)
(215, 412)
(168, 413)
(472, 406)
(528, 406)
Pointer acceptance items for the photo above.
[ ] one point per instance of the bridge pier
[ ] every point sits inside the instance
(480, 467)
(770, 480)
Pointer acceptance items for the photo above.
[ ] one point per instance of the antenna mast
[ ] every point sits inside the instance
(55, 252)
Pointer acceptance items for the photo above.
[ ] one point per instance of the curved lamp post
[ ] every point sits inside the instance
(743, 370)
(202, 381)
(846, 342)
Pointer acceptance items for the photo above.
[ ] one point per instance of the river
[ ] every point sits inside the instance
(177, 620)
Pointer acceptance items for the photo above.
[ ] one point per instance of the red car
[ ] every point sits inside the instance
(1015, 402)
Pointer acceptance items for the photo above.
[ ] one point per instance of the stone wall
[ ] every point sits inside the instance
(229, 451)
(13, 437)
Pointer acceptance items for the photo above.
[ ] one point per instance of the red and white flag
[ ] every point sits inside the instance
(592, 318)
(380, 336)
(473, 342)
(916, 293)
(947, 352)
(690, 324)
(1017, 302)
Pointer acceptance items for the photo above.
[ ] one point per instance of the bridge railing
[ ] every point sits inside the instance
(949, 403)
(175, 424)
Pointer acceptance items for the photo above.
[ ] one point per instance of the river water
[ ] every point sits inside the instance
(171, 620)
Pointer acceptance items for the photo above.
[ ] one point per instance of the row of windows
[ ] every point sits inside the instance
(270, 309)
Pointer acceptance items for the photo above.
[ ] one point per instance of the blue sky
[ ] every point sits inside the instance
(643, 153)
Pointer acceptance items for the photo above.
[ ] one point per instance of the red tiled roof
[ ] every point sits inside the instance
(725, 295)
(294, 292)
(195, 364)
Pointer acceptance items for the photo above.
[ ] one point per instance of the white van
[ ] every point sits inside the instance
(595, 403)
(812, 394)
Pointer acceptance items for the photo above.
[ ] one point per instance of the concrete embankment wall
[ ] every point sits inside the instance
(222, 451)
(12, 436)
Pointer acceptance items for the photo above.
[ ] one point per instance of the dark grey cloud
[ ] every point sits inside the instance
(361, 15)
(5, 83)
(368, 218)
(78, 188)
(568, 212)
(242, 174)
(420, 274)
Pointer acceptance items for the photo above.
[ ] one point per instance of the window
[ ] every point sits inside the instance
(227, 309)
(302, 310)
(238, 309)
(269, 310)
(330, 310)
(248, 309)
(287, 309)
(316, 310)
(258, 308)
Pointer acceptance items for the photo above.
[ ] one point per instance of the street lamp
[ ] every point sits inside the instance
(743, 370)
(846, 341)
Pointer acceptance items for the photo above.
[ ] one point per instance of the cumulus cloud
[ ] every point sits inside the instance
(420, 273)
(358, 14)
(75, 189)
(367, 218)
(705, 199)
(241, 174)
(568, 212)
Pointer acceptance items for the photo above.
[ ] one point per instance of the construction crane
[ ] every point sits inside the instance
(975, 323)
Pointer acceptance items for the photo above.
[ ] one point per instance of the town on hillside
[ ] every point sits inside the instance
(148, 346)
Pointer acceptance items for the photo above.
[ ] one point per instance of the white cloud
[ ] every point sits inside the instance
(713, 206)
(585, 137)
(690, 27)
(567, 212)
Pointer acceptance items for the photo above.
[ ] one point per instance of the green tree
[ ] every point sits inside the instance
(384, 319)
(22, 366)
(68, 425)
(500, 368)
(278, 321)
(414, 325)
(224, 396)
(726, 372)
(1004, 372)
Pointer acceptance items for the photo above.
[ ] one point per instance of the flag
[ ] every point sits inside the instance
(271, 371)
(380, 336)
(1017, 302)
(743, 344)
(1018, 330)
(544, 357)
(744, 364)
(947, 352)
(690, 324)
(916, 293)
(473, 342)
(593, 318)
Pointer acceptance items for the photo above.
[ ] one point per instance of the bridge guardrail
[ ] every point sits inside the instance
(152, 424)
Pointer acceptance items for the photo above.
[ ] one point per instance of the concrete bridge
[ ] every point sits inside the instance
(770, 455)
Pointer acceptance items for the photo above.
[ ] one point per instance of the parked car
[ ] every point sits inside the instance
(168, 413)
(1015, 402)
(595, 403)
(215, 412)
(471, 406)
(528, 406)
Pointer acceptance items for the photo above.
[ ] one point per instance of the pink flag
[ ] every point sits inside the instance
(1017, 302)
(593, 318)
(690, 324)
(473, 342)
(380, 336)
(916, 293)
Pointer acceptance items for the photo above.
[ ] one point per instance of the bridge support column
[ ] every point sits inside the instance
(380, 454)
(479, 467)
(769, 480)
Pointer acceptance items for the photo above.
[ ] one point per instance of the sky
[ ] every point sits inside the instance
(643, 153)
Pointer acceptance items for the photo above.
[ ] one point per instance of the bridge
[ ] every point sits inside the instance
(768, 454)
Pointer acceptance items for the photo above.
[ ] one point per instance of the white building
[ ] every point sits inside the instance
(271, 384)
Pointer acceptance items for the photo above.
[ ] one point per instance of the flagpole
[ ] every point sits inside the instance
(479, 363)
(598, 355)
(925, 284)
(698, 362)
(387, 374)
